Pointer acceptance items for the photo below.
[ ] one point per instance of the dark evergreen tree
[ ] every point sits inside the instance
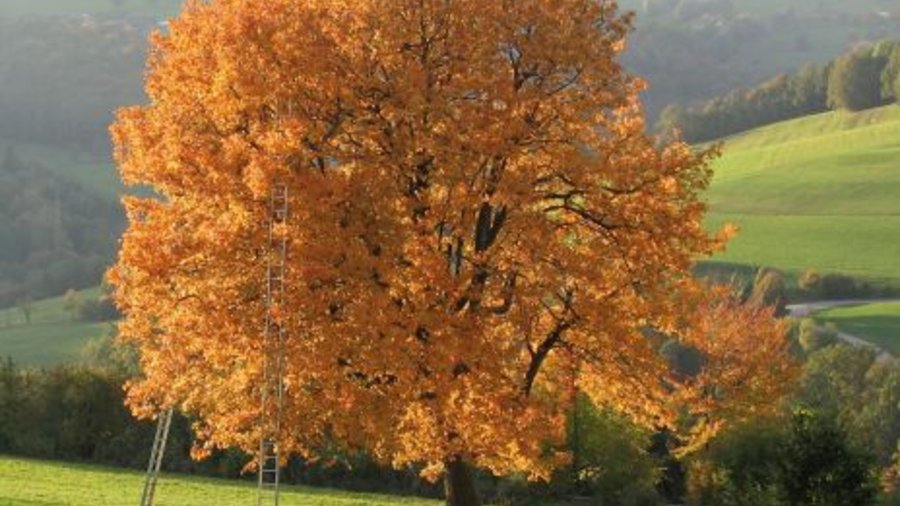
(818, 466)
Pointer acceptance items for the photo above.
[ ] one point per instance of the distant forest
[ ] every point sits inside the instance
(857, 80)
(62, 78)
(55, 235)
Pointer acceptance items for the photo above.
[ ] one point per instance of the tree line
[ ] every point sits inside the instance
(833, 442)
(857, 80)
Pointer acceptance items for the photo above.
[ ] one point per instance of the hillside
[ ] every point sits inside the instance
(52, 337)
(30, 482)
(91, 172)
(820, 192)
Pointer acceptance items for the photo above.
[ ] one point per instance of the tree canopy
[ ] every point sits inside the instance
(477, 221)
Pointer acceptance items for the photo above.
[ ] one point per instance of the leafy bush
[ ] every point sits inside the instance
(813, 337)
(97, 310)
(769, 289)
(840, 286)
(807, 461)
(818, 466)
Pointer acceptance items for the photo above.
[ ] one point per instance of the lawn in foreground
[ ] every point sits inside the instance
(26, 482)
(53, 336)
(820, 192)
(878, 323)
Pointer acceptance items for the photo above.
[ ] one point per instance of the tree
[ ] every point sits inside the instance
(474, 207)
(805, 459)
(854, 82)
(72, 302)
(768, 290)
(27, 307)
(809, 87)
(848, 384)
(820, 467)
(610, 457)
(741, 467)
(813, 338)
(890, 76)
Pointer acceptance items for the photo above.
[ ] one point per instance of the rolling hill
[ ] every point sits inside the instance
(820, 192)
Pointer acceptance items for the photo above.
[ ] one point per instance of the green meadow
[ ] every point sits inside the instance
(878, 323)
(820, 192)
(53, 336)
(37, 483)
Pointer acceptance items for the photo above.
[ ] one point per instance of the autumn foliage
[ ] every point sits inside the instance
(474, 208)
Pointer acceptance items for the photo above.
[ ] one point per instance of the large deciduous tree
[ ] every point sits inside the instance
(477, 220)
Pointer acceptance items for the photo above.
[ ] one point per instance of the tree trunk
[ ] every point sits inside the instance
(459, 484)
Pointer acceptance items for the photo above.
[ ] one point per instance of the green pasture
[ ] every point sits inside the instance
(878, 323)
(158, 8)
(38, 483)
(821, 192)
(52, 337)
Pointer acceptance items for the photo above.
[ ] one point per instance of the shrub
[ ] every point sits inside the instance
(97, 310)
(769, 290)
(814, 337)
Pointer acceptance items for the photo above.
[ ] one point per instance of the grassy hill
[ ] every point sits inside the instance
(820, 192)
(37, 483)
(52, 337)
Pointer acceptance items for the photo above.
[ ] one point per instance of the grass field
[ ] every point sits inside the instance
(878, 323)
(820, 192)
(37, 483)
(52, 337)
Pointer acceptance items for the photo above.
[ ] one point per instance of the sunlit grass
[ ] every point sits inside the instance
(820, 192)
(878, 323)
(30, 482)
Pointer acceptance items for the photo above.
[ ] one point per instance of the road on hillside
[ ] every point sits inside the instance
(808, 308)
